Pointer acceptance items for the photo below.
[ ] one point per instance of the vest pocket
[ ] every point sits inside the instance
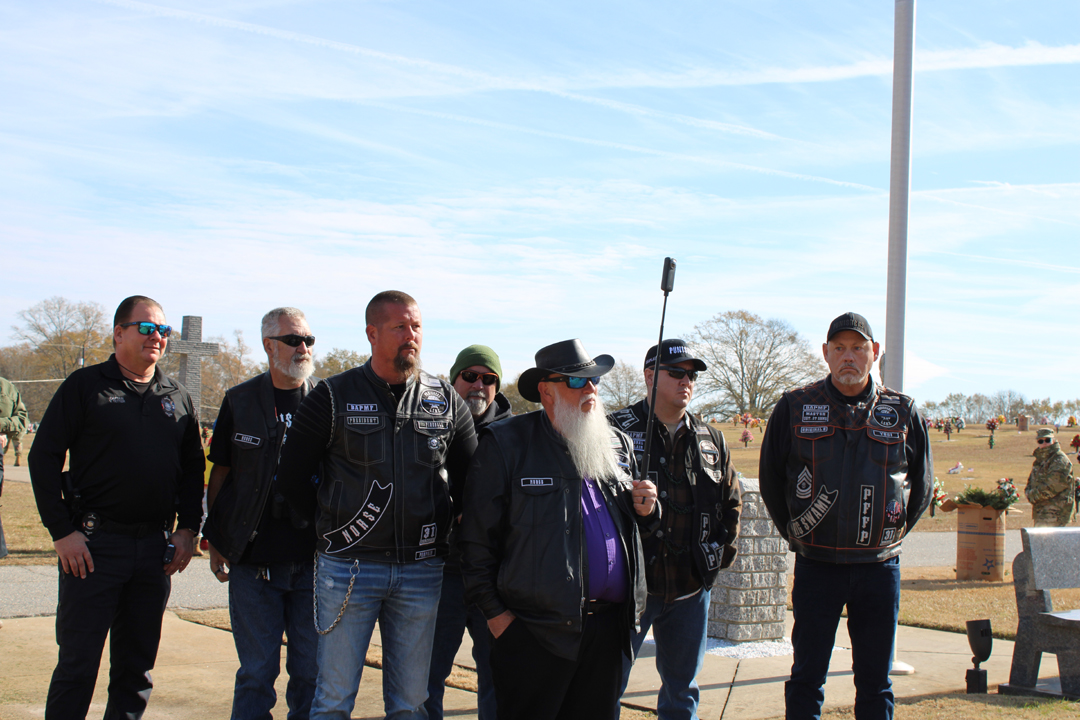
(366, 444)
(431, 441)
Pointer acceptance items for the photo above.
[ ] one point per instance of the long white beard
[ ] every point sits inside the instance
(588, 437)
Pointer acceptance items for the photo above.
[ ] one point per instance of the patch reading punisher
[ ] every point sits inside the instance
(815, 413)
(866, 514)
(886, 416)
(366, 518)
(433, 402)
(709, 453)
(168, 406)
(814, 514)
(804, 484)
(892, 511)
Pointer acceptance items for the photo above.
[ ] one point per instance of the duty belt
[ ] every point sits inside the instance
(92, 522)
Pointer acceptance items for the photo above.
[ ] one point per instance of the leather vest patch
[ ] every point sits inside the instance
(352, 532)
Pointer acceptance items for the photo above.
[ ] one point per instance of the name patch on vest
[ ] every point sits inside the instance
(366, 518)
(425, 554)
(866, 514)
(537, 482)
(884, 434)
(362, 420)
(815, 413)
(433, 424)
(639, 441)
(711, 549)
(890, 399)
(811, 429)
(813, 515)
(247, 439)
(353, 407)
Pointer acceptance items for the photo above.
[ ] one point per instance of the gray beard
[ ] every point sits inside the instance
(588, 437)
(477, 405)
(296, 370)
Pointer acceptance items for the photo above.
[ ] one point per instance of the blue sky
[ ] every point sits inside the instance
(523, 168)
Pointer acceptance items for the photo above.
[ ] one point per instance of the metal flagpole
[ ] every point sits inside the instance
(899, 187)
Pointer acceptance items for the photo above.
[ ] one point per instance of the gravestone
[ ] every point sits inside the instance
(192, 350)
(1022, 423)
(749, 598)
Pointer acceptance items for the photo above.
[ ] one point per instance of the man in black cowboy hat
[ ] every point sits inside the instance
(551, 544)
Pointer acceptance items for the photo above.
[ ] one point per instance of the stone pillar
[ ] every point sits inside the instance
(750, 597)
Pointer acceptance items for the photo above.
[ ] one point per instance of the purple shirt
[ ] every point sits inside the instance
(607, 563)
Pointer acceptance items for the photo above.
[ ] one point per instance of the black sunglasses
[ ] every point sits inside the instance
(470, 377)
(678, 373)
(574, 383)
(295, 340)
(148, 328)
(1044, 440)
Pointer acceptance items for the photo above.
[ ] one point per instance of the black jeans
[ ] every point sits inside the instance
(125, 595)
(533, 684)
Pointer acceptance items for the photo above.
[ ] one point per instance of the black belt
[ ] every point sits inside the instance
(92, 522)
(598, 606)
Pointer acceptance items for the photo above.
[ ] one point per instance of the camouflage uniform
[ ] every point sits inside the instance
(1050, 488)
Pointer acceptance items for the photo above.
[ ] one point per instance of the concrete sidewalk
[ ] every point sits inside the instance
(195, 668)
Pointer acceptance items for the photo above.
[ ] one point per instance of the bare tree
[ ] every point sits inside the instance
(752, 362)
(953, 404)
(1009, 403)
(622, 387)
(63, 334)
(519, 404)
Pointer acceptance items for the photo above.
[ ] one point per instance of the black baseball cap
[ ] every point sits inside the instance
(851, 321)
(673, 351)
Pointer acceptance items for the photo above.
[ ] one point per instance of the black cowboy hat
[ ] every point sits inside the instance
(565, 358)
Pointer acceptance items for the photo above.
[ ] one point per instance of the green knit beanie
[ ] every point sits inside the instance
(477, 355)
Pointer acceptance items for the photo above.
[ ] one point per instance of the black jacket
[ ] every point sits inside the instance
(521, 537)
(135, 459)
(717, 498)
(257, 434)
(384, 492)
(844, 479)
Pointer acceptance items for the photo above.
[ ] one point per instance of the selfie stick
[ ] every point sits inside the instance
(667, 284)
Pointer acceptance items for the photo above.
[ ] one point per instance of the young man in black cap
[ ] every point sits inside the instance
(846, 472)
(699, 493)
(551, 548)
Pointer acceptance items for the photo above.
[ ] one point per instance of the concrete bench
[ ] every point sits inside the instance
(1050, 561)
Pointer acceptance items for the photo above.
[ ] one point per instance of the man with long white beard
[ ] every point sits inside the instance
(551, 543)
(255, 546)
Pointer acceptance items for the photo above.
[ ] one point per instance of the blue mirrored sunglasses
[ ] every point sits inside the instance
(574, 383)
(148, 328)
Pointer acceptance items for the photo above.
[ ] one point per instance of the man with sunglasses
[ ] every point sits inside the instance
(551, 544)
(699, 493)
(387, 446)
(846, 471)
(1051, 489)
(477, 378)
(136, 464)
(255, 545)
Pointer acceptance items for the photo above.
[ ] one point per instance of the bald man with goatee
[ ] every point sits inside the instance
(551, 543)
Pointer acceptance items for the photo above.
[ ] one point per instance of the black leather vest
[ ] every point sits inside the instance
(257, 435)
(847, 484)
(384, 494)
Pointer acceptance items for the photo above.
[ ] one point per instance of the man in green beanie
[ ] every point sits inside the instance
(477, 377)
(1051, 488)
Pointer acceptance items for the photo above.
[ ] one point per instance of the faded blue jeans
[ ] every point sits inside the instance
(679, 630)
(404, 598)
(261, 610)
(871, 592)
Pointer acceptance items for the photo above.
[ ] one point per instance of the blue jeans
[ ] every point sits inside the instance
(404, 598)
(871, 592)
(453, 618)
(680, 631)
(261, 610)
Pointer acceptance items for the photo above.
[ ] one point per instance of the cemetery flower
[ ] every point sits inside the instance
(992, 425)
(939, 493)
(747, 437)
(999, 499)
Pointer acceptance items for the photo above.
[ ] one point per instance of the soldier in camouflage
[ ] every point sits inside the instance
(1050, 488)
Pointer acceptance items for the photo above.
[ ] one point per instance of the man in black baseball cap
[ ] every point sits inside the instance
(700, 505)
(551, 544)
(845, 473)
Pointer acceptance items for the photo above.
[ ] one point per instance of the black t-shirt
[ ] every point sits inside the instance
(276, 541)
